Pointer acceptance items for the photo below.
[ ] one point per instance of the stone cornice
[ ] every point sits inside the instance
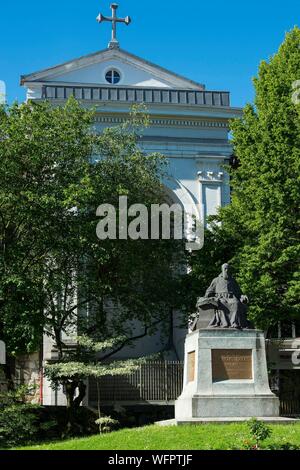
(166, 122)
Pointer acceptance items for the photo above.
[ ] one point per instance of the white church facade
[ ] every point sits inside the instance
(188, 124)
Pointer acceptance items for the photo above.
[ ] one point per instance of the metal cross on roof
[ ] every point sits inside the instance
(114, 20)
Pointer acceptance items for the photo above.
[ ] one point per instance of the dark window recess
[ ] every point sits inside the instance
(297, 327)
(234, 162)
(272, 331)
(286, 329)
(113, 77)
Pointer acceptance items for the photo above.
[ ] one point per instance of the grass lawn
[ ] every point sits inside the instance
(200, 437)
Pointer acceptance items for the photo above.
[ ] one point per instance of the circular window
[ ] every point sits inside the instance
(113, 76)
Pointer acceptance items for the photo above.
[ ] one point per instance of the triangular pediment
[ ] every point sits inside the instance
(92, 69)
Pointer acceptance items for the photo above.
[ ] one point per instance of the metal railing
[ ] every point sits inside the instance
(289, 407)
(152, 382)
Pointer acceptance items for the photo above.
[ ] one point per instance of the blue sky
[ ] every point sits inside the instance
(219, 43)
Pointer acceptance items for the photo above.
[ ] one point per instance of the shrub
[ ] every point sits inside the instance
(106, 424)
(22, 422)
(18, 424)
(259, 432)
(283, 446)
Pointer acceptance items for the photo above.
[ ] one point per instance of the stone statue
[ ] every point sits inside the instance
(224, 296)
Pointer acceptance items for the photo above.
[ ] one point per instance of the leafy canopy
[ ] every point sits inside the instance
(259, 231)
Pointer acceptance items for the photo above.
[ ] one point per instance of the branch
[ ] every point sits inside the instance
(128, 340)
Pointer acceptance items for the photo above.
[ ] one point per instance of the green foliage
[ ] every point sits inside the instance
(19, 422)
(81, 363)
(284, 446)
(106, 424)
(259, 231)
(17, 395)
(44, 152)
(259, 431)
(18, 425)
(63, 371)
(83, 274)
(73, 374)
(87, 344)
(55, 170)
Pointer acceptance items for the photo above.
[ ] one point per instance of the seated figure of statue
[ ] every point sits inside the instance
(225, 297)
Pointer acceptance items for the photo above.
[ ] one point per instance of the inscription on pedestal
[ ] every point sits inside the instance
(232, 364)
(191, 366)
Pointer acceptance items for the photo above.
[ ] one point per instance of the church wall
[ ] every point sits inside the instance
(143, 347)
(53, 397)
(95, 73)
(179, 335)
(28, 372)
(34, 92)
(186, 132)
(178, 137)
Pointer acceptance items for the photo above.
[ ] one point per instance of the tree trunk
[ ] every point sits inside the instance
(73, 403)
(70, 392)
(82, 390)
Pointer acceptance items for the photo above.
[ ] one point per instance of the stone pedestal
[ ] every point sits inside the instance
(225, 375)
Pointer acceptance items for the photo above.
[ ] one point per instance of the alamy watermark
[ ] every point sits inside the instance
(161, 222)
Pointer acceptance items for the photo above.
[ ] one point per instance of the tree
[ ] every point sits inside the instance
(136, 277)
(80, 364)
(259, 231)
(43, 154)
(56, 172)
